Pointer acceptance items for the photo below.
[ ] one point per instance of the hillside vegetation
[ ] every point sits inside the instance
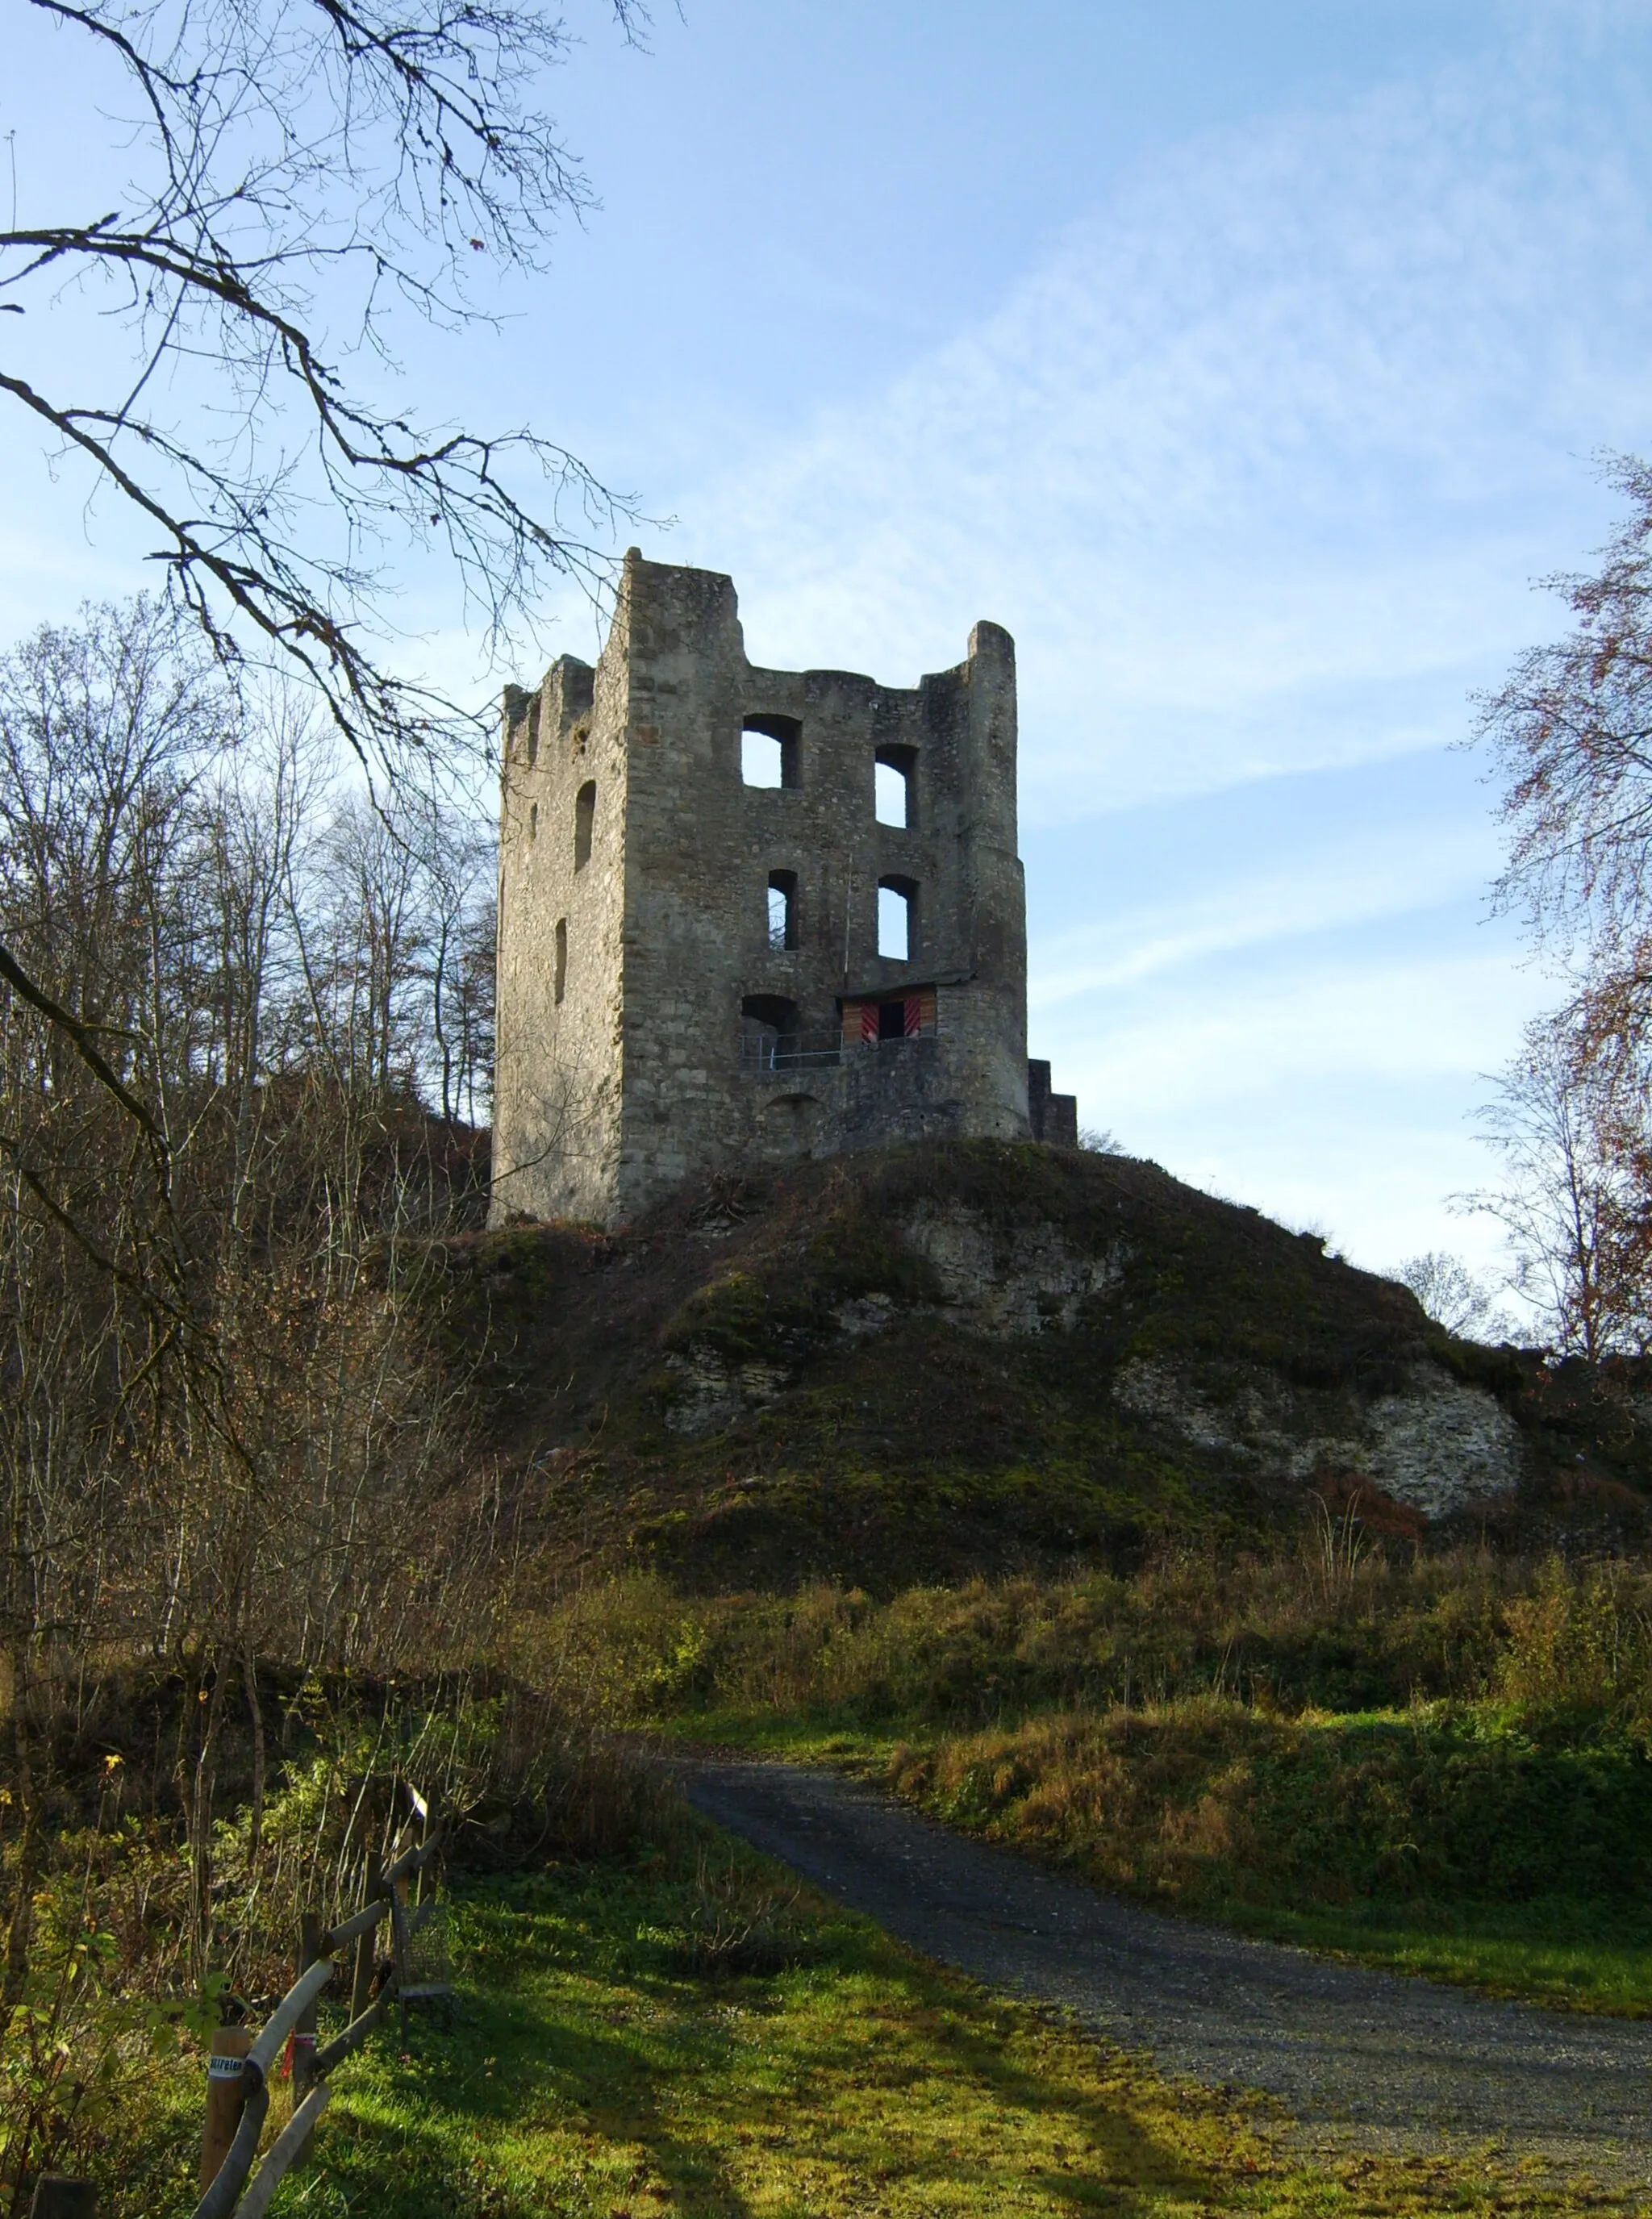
(959, 1360)
(1441, 1760)
(1109, 1518)
(1084, 1510)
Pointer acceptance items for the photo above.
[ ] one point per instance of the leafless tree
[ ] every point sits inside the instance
(299, 176)
(461, 866)
(219, 1431)
(1571, 1197)
(1460, 1300)
(1570, 734)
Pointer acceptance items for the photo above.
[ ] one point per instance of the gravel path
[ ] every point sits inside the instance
(1372, 2057)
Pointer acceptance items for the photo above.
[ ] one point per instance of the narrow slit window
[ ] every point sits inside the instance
(769, 751)
(559, 983)
(585, 817)
(897, 936)
(782, 909)
(533, 822)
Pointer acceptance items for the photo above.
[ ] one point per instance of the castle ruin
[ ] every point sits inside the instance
(748, 916)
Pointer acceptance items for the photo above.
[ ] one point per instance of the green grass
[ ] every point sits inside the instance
(1574, 1955)
(602, 2064)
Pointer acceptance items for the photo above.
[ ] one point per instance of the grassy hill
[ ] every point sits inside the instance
(942, 1361)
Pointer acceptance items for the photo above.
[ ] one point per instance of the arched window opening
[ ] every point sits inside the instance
(895, 788)
(585, 817)
(768, 1031)
(769, 749)
(559, 983)
(898, 919)
(782, 909)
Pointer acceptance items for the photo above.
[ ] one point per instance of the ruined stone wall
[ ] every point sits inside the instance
(635, 1082)
(557, 1071)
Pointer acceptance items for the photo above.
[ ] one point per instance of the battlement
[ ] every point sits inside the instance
(750, 914)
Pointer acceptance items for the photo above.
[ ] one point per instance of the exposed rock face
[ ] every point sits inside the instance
(1435, 1444)
(969, 1358)
(709, 1394)
(1438, 1445)
(1443, 1444)
(1029, 1279)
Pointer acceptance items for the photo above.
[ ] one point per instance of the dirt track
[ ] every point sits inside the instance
(1355, 2054)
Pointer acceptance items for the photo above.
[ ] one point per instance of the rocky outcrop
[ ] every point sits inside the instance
(1439, 1445)
(1014, 1281)
(707, 1392)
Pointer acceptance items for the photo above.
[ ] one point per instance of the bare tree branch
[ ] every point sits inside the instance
(307, 158)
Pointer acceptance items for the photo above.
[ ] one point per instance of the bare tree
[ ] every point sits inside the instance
(1572, 1196)
(219, 1429)
(298, 175)
(1570, 732)
(1461, 1301)
(461, 867)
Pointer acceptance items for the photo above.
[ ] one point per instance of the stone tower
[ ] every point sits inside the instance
(689, 973)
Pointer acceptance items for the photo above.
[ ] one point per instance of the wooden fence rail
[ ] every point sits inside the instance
(239, 2084)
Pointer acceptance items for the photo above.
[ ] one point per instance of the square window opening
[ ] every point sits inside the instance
(769, 751)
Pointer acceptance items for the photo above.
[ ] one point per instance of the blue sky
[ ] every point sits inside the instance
(1247, 363)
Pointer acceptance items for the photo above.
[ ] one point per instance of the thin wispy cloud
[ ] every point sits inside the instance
(1422, 1017)
(1359, 882)
(1258, 465)
(1342, 1090)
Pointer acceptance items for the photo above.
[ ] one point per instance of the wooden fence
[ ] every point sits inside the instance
(240, 2066)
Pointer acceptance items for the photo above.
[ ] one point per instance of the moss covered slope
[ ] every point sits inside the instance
(952, 1358)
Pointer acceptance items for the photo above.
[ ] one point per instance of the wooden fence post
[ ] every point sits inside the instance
(426, 1825)
(58, 2197)
(312, 1932)
(361, 1993)
(226, 2099)
(398, 1946)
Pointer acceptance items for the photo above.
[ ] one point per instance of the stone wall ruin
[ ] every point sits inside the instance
(701, 973)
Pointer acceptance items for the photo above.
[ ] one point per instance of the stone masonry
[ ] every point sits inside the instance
(689, 981)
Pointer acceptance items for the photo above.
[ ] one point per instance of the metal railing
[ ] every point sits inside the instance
(776, 1053)
(783, 1052)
